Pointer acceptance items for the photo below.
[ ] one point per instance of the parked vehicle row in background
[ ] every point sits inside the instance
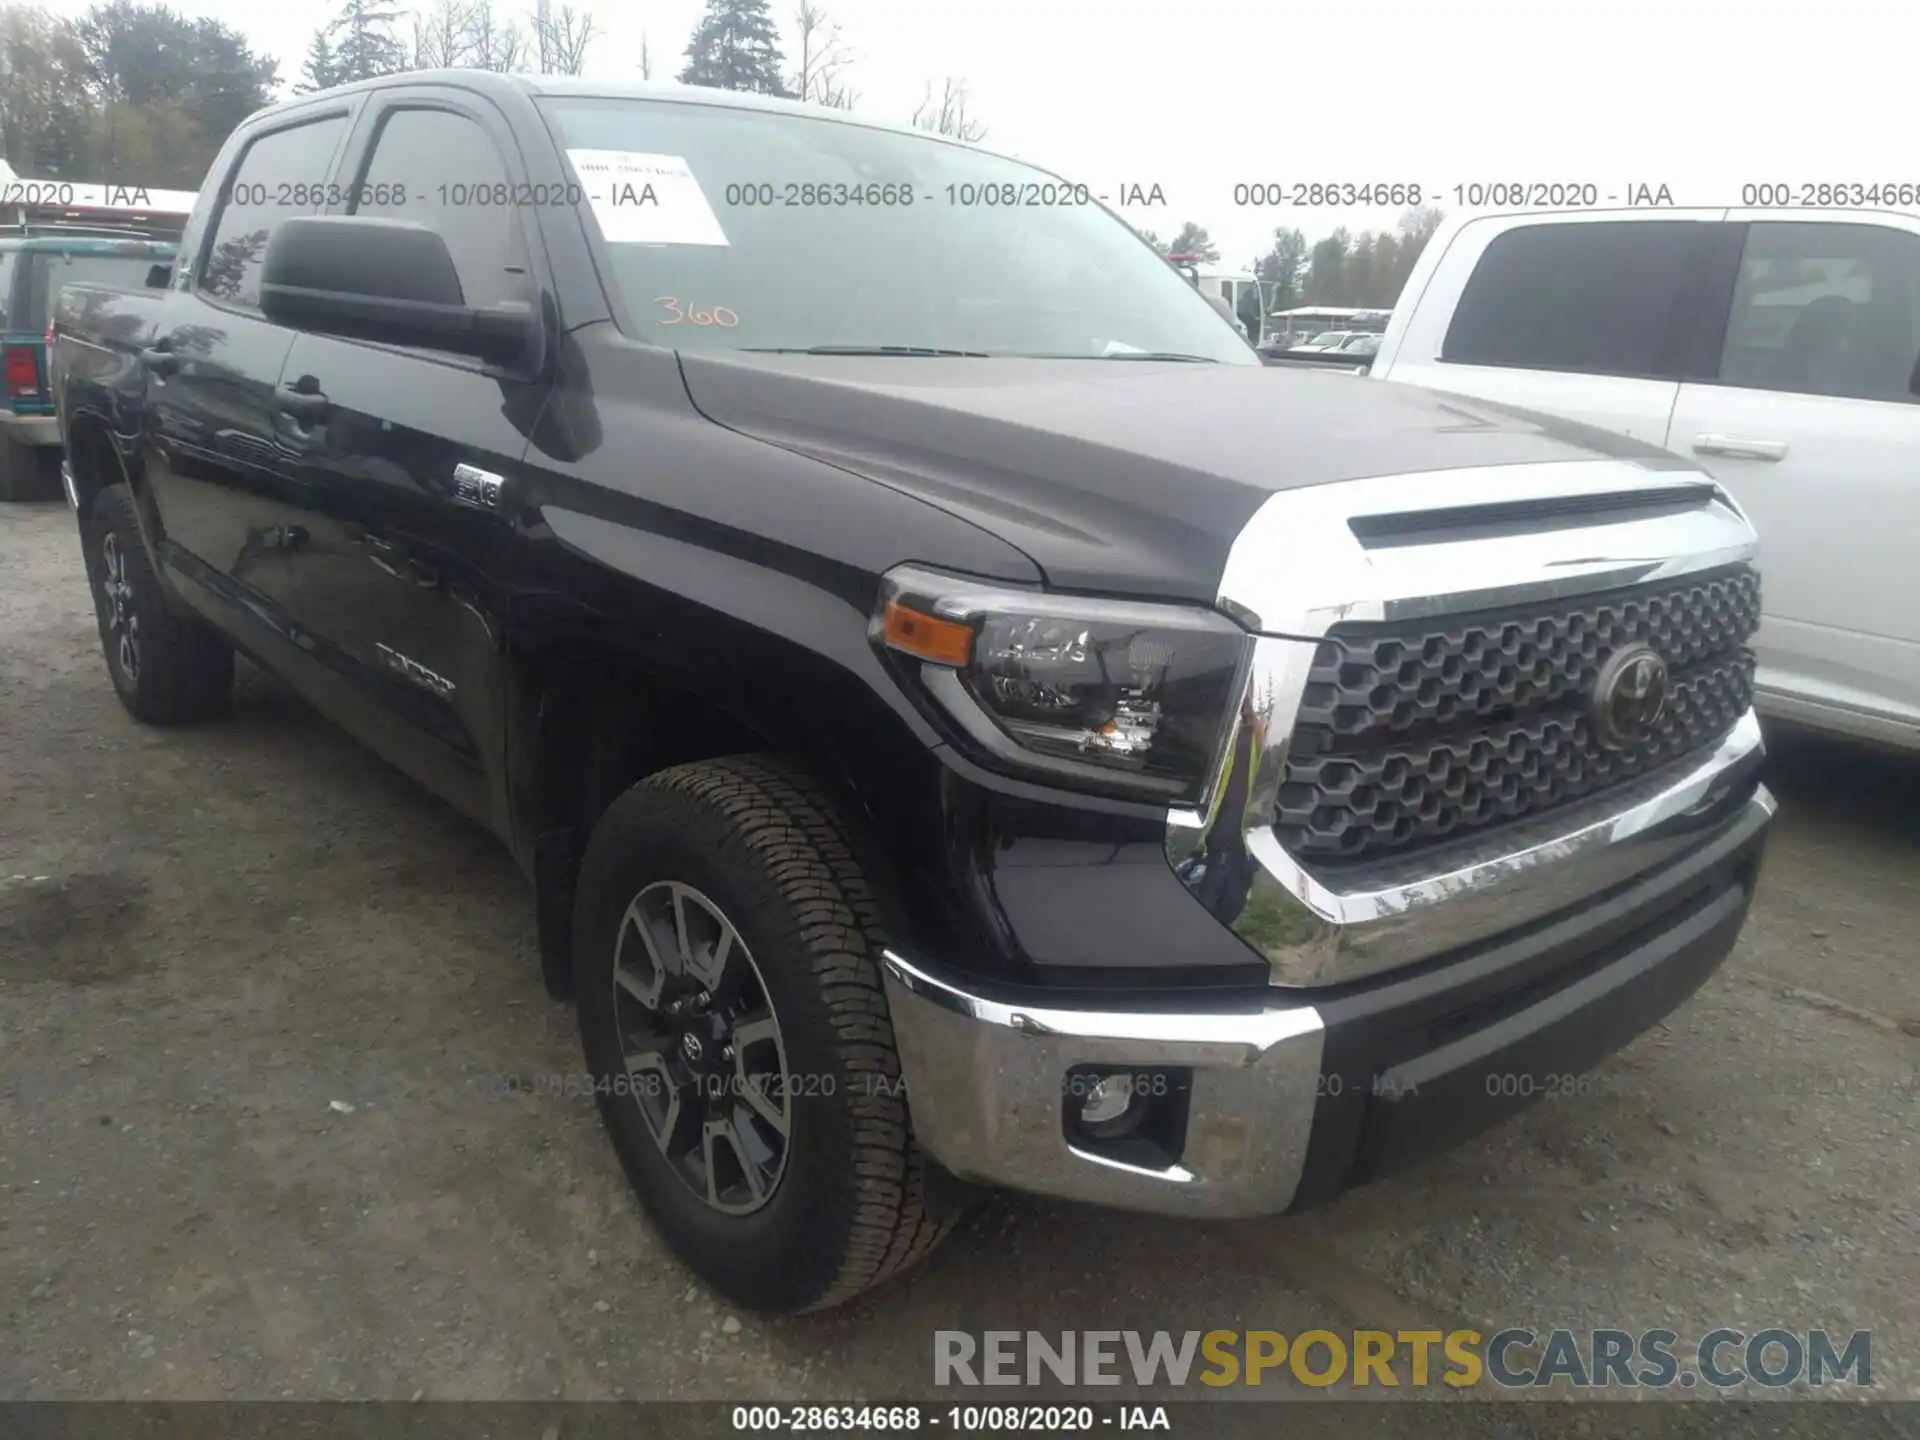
(1781, 351)
(33, 271)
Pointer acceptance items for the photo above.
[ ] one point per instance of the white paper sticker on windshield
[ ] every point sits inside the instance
(642, 199)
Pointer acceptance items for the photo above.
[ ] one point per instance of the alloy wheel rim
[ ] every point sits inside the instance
(703, 1055)
(117, 613)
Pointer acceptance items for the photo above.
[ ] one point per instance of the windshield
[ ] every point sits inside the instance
(56, 270)
(743, 229)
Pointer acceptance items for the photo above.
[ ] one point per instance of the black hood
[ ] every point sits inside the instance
(1121, 476)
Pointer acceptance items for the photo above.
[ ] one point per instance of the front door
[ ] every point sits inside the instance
(1812, 422)
(404, 459)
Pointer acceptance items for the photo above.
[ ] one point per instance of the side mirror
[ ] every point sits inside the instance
(159, 276)
(360, 277)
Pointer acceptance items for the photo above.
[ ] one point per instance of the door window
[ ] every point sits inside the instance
(1826, 310)
(282, 173)
(1595, 298)
(441, 168)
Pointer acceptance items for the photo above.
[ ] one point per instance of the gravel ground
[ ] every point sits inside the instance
(257, 993)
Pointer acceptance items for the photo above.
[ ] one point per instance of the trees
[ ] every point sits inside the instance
(561, 36)
(364, 45)
(1192, 239)
(1325, 283)
(1367, 270)
(452, 35)
(442, 36)
(321, 67)
(1279, 270)
(127, 92)
(494, 42)
(948, 115)
(735, 47)
(823, 59)
(46, 112)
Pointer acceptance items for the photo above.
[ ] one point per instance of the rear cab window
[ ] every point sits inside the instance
(1594, 298)
(1826, 309)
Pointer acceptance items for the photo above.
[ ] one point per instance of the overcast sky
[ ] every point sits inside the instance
(1196, 97)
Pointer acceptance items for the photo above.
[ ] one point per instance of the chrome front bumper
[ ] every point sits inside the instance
(1278, 1076)
(988, 1083)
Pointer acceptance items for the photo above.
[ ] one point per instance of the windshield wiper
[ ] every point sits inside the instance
(864, 350)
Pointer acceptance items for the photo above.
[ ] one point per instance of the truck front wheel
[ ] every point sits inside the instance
(726, 948)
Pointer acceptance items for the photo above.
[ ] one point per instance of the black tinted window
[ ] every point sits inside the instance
(283, 173)
(1826, 310)
(442, 169)
(1595, 298)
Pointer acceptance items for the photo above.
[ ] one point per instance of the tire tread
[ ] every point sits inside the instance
(788, 819)
(186, 668)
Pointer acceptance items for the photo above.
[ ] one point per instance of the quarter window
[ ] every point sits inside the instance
(282, 173)
(1595, 298)
(1826, 310)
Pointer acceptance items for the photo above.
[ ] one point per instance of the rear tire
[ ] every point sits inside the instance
(168, 668)
(777, 1222)
(28, 472)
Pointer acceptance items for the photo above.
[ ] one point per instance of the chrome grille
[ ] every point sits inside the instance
(1408, 733)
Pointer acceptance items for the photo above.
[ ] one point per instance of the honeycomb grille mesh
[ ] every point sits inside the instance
(1413, 732)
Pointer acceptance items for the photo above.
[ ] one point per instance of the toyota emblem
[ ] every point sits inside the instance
(1629, 696)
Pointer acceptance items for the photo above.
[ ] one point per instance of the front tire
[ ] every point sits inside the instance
(168, 668)
(723, 901)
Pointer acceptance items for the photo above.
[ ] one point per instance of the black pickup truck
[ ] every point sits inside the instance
(966, 721)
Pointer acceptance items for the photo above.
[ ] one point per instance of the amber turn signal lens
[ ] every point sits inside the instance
(945, 642)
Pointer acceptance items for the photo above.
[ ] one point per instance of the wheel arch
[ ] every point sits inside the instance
(98, 458)
(589, 718)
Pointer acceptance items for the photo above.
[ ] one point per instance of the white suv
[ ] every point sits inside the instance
(1778, 349)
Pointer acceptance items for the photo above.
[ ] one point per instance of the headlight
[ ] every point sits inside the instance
(1105, 693)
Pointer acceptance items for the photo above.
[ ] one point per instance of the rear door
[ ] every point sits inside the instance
(402, 456)
(211, 450)
(1580, 316)
(1808, 410)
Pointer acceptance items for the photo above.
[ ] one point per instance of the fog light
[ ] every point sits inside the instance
(1107, 1100)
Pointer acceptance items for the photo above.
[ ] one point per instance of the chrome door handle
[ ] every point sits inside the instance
(1738, 448)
